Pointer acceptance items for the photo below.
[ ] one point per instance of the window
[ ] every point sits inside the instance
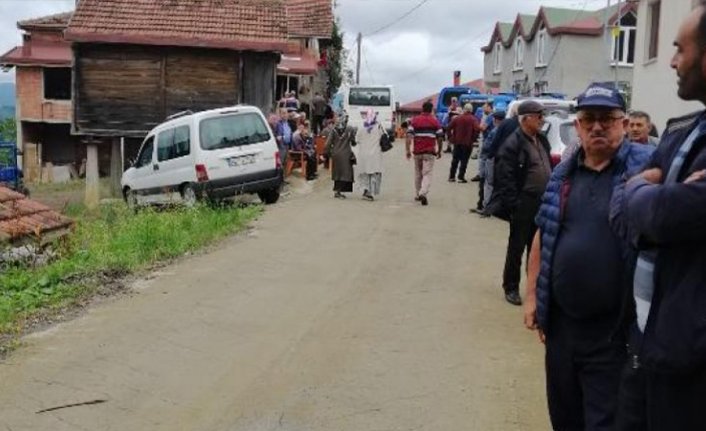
(233, 131)
(57, 83)
(624, 36)
(496, 57)
(173, 143)
(360, 96)
(145, 157)
(541, 47)
(519, 52)
(653, 29)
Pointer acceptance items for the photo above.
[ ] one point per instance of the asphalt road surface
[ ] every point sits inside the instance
(328, 315)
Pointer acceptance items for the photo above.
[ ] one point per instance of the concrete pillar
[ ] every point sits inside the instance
(92, 176)
(116, 167)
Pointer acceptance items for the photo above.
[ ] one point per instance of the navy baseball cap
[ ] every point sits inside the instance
(600, 96)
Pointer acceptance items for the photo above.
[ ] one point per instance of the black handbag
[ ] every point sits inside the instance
(385, 141)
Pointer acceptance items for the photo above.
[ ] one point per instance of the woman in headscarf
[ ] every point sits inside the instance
(339, 148)
(370, 155)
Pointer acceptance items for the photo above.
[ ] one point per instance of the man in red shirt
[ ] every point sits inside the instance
(463, 133)
(426, 133)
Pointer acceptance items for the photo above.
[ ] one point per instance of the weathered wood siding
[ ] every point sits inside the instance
(259, 80)
(123, 90)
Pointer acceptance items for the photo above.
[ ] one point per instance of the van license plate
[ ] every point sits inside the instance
(241, 161)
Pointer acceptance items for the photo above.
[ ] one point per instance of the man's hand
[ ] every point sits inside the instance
(653, 175)
(409, 155)
(439, 154)
(530, 313)
(696, 176)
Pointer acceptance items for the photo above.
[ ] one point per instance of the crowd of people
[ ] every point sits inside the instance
(614, 237)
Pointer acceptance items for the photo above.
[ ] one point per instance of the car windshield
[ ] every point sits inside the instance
(361, 96)
(233, 131)
(450, 94)
(567, 132)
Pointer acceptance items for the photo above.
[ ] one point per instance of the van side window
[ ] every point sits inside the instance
(145, 157)
(165, 145)
(233, 131)
(173, 143)
(182, 141)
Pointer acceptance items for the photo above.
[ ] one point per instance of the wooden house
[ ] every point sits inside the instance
(137, 62)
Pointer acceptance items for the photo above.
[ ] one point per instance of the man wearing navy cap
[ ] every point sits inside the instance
(578, 266)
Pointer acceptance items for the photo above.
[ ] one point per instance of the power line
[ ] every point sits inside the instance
(447, 54)
(403, 16)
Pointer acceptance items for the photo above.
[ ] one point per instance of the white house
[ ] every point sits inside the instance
(654, 81)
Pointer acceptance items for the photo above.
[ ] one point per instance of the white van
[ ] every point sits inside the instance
(211, 154)
(357, 99)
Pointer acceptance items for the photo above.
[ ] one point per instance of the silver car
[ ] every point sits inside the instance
(561, 133)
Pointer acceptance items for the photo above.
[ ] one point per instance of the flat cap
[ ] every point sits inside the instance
(530, 107)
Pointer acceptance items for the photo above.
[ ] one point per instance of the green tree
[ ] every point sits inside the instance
(8, 130)
(335, 57)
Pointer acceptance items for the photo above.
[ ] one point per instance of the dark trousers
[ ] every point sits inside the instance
(522, 230)
(651, 401)
(583, 367)
(481, 193)
(311, 166)
(459, 162)
(318, 123)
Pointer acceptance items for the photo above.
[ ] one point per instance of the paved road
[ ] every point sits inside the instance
(328, 315)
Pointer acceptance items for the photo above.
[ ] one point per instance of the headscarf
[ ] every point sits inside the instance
(371, 119)
(342, 121)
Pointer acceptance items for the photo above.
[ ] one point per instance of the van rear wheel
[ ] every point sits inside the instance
(270, 196)
(131, 199)
(189, 195)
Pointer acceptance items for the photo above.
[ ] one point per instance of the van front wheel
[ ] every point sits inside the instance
(270, 196)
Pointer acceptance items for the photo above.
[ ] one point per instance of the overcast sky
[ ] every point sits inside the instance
(417, 54)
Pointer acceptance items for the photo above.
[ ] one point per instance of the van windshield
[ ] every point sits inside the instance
(362, 96)
(233, 131)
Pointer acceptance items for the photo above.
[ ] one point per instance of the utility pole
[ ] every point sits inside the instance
(357, 64)
(608, 36)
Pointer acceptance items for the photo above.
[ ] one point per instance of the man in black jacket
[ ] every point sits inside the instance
(522, 170)
(663, 213)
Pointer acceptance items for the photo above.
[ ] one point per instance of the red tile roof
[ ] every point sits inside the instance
(258, 25)
(310, 18)
(22, 219)
(51, 22)
(39, 54)
(298, 64)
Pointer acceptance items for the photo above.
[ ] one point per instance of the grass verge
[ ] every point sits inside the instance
(107, 244)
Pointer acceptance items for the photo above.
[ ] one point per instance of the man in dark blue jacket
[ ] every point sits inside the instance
(580, 277)
(663, 213)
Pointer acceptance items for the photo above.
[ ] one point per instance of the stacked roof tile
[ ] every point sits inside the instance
(23, 219)
(57, 21)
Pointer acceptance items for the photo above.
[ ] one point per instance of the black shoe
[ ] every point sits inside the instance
(513, 298)
(368, 196)
(476, 210)
(451, 180)
(448, 150)
(462, 180)
(476, 179)
(424, 200)
(339, 195)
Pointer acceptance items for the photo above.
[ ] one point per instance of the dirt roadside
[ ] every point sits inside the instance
(327, 315)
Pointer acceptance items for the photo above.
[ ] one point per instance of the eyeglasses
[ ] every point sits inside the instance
(588, 121)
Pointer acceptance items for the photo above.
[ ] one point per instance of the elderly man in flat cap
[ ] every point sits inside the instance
(522, 170)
